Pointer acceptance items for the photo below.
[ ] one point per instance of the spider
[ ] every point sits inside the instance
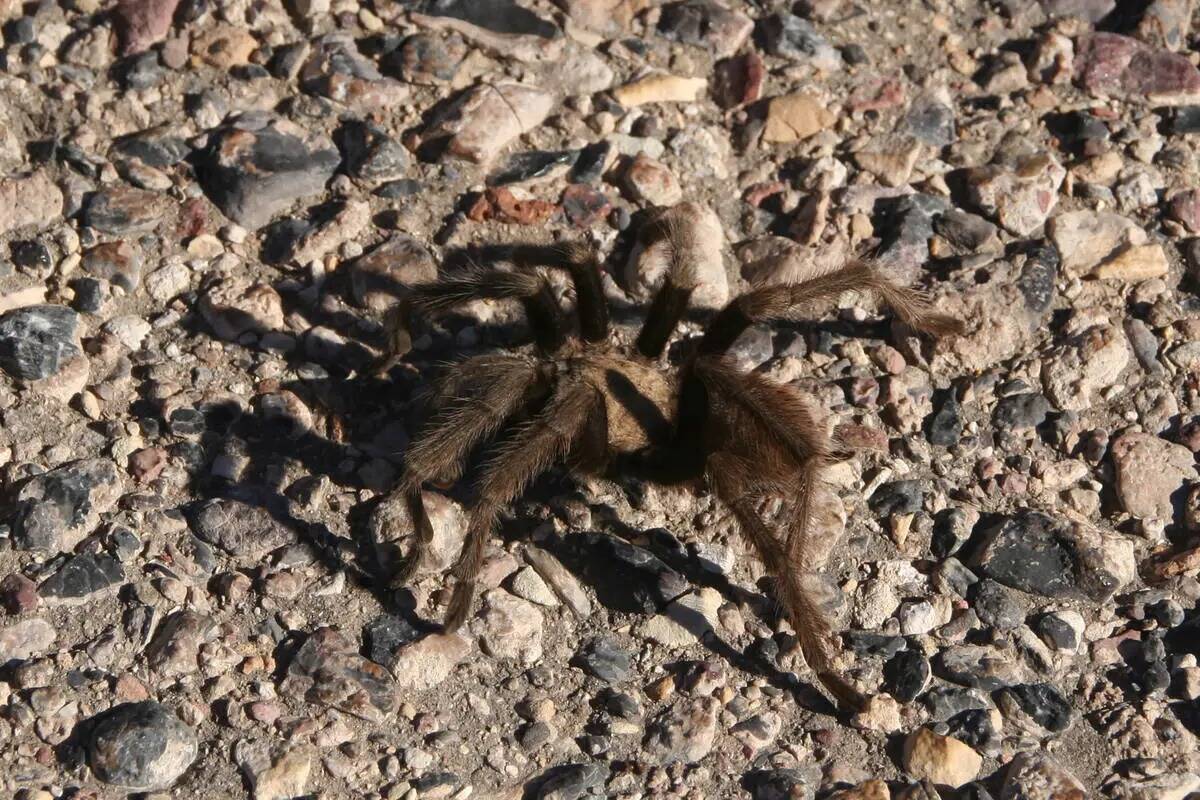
(586, 402)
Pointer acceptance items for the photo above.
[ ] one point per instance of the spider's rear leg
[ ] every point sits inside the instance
(733, 480)
(501, 388)
(764, 439)
(549, 437)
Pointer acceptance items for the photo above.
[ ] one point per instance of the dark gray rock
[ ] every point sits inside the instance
(121, 210)
(628, 577)
(154, 148)
(497, 16)
(1021, 412)
(964, 232)
(784, 784)
(931, 121)
(141, 747)
(622, 705)
(239, 529)
(327, 672)
(946, 425)
(385, 635)
(998, 606)
(897, 497)
(974, 728)
(1057, 632)
(906, 226)
(979, 667)
(906, 675)
(35, 341)
(951, 529)
(82, 576)
(945, 702)
(522, 167)
(952, 574)
(252, 175)
(753, 348)
(705, 23)
(31, 254)
(603, 658)
(866, 643)
(1037, 279)
(371, 154)
(1043, 555)
(573, 781)
(58, 508)
(589, 166)
(1035, 707)
(797, 39)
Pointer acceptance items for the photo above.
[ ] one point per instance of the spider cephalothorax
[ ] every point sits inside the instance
(585, 403)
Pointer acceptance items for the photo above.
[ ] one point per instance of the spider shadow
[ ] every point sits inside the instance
(616, 587)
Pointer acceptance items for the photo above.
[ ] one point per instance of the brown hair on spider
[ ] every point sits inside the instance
(744, 436)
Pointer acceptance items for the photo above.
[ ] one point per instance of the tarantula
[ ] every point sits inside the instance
(585, 402)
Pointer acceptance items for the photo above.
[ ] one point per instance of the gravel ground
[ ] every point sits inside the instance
(207, 208)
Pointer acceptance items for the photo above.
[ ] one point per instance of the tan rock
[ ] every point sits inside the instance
(795, 117)
(660, 88)
(880, 713)
(1086, 238)
(1134, 263)
(943, 760)
(287, 777)
(868, 790)
(1075, 373)
(32, 200)
(603, 16)
(391, 529)
(349, 222)
(648, 266)
(427, 662)
(484, 119)
(890, 158)
(1102, 169)
(1038, 776)
(224, 46)
(235, 306)
(650, 181)
(1150, 470)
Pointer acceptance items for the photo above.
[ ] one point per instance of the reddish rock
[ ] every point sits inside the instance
(128, 689)
(142, 23)
(502, 205)
(738, 81)
(757, 194)
(147, 464)
(647, 180)
(853, 436)
(584, 206)
(877, 95)
(1184, 208)
(1111, 64)
(18, 594)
